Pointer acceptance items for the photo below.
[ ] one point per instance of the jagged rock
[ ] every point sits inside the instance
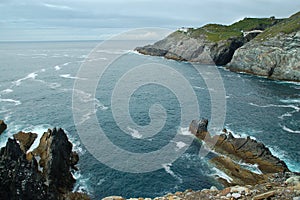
(45, 174)
(245, 149)
(3, 126)
(25, 139)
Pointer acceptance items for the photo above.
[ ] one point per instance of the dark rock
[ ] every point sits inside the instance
(3, 126)
(44, 173)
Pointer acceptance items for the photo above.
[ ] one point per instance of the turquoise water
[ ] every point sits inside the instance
(36, 88)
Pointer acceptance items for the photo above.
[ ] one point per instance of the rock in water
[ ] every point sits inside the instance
(233, 150)
(42, 174)
(3, 126)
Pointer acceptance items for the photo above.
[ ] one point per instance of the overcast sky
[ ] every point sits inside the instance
(98, 19)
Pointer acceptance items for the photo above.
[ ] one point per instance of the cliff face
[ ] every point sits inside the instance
(267, 47)
(275, 53)
(44, 173)
(210, 44)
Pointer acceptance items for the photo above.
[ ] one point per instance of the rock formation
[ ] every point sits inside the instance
(209, 44)
(3, 126)
(267, 47)
(231, 151)
(275, 53)
(44, 173)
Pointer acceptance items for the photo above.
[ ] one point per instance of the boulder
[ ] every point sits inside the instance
(3, 126)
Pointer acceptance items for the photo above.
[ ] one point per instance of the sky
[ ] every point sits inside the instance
(48, 20)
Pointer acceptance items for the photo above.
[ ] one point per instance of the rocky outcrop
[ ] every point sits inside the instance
(231, 151)
(210, 44)
(44, 173)
(180, 46)
(3, 126)
(274, 54)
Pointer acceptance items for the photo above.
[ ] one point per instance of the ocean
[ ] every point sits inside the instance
(37, 86)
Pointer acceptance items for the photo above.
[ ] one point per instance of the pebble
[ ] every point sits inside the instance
(236, 195)
(296, 198)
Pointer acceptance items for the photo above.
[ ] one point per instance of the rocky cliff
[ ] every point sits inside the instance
(232, 151)
(209, 44)
(267, 47)
(275, 53)
(44, 173)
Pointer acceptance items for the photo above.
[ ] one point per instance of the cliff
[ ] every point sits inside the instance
(267, 47)
(212, 42)
(275, 53)
(44, 173)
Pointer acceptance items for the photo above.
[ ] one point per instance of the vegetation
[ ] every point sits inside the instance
(217, 32)
(286, 26)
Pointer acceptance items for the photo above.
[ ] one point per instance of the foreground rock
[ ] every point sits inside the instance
(3, 126)
(275, 53)
(232, 151)
(44, 173)
(210, 44)
(278, 187)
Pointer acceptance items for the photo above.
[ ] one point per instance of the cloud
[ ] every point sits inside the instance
(58, 7)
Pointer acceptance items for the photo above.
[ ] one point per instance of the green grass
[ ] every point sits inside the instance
(286, 26)
(217, 32)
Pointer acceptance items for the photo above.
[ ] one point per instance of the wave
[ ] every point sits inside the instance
(68, 76)
(167, 168)
(221, 174)
(134, 133)
(16, 102)
(252, 167)
(180, 145)
(283, 155)
(32, 76)
(290, 100)
(6, 91)
(81, 184)
(57, 68)
(185, 131)
(289, 130)
(274, 105)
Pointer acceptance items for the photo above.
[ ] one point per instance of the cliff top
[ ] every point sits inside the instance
(218, 32)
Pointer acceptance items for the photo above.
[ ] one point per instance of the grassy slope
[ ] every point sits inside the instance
(286, 26)
(216, 32)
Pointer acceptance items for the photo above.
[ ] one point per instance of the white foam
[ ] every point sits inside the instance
(167, 168)
(290, 100)
(70, 77)
(274, 105)
(185, 131)
(39, 129)
(221, 174)
(180, 145)
(18, 82)
(57, 68)
(290, 130)
(6, 91)
(134, 133)
(16, 102)
(252, 167)
(283, 155)
(81, 183)
(67, 63)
